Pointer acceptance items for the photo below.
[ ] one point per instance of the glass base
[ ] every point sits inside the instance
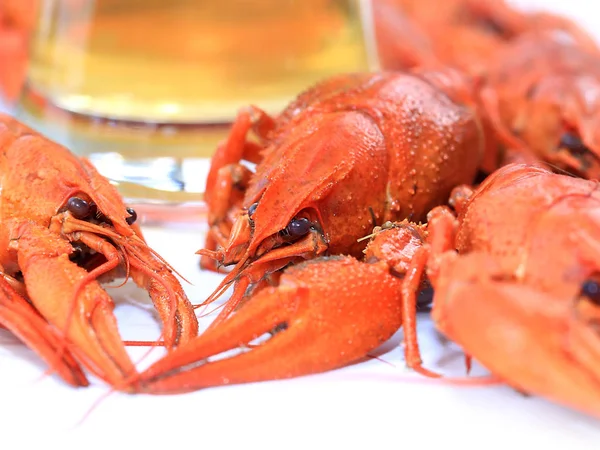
(153, 165)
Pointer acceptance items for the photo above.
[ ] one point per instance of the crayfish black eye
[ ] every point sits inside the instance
(132, 216)
(573, 143)
(591, 290)
(252, 209)
(298, 227)
(492, 27)
(79, 207)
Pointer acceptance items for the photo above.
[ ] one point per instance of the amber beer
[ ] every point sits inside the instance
(164, 78)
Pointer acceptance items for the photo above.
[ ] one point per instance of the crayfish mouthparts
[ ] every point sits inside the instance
(87, 258)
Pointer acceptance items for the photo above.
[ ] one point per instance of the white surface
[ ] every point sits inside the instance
(368, 405)
(583, 12)
(374, 403)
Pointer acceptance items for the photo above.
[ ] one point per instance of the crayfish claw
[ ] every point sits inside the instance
(20, 318)
(82, 313)
(324, 314)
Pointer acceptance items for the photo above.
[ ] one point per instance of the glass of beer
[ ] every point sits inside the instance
(147, 88)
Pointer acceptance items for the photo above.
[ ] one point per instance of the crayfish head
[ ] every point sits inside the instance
(584, 330)
(89, 228)
(582, 339)
(295, 237)
(578, 152)
(589, 301)
(88, 197)
(578, 142)
(256, 255)
(248, 245)
(92, 216)
(82, 207)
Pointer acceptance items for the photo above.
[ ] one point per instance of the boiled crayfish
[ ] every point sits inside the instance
(541, 94)
(532, 320)
(63, 228)
(537, 76)
(522, 296)
(462, 33)
(498, 293)
(350, 154)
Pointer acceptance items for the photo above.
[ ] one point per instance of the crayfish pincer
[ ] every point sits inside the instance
(63, 228)
(347, 155)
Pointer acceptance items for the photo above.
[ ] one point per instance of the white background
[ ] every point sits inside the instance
(373, 404)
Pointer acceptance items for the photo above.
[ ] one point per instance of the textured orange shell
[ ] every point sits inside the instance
(393, 145)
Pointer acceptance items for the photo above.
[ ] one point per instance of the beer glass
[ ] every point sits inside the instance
(147, 88)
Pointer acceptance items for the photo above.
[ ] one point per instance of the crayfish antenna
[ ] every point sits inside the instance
(230, 278)
(154, 274)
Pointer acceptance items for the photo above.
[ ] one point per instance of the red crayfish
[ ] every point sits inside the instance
(522, 296)
(497, 292)
(536, 75)
(64, 228)
(350, 154)
(462, 33)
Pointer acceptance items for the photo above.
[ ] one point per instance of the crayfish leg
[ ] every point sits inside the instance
(232, 303)
(229, 188)
(21, 319)
(410, 287)
(402, 247)
(425, 259)
(237, 147)
(228, 178)
(175, 311)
